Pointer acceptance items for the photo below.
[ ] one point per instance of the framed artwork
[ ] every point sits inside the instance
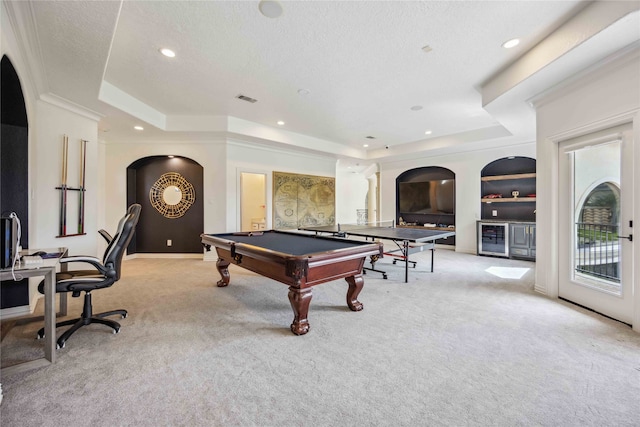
(302, 200)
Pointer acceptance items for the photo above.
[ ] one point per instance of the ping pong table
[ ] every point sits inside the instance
(406, 239)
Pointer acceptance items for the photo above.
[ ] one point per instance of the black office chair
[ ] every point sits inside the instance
(104, 274)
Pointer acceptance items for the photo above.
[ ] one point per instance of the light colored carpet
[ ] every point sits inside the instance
(470, 344)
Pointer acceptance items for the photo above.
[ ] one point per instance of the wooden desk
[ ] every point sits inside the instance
(48, 270)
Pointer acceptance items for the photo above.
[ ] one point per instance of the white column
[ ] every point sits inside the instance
(372, 199)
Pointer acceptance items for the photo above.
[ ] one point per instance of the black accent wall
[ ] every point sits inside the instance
(154, 229)
(14, 175)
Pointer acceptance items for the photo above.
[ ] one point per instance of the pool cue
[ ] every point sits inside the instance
(83, 164)
(63, 193)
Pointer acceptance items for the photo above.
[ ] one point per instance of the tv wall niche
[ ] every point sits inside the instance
(426, 196)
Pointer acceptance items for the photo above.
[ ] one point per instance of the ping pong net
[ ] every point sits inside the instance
(365, 226)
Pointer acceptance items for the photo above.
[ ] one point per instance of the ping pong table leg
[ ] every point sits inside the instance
(433, 249)
(405, 249)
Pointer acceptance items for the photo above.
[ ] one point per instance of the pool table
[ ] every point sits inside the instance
(295, 259)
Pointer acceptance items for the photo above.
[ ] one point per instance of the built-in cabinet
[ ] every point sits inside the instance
(508, 208)
(522, 240)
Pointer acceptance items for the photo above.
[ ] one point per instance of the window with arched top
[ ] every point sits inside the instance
(597, 234)
(602, 204)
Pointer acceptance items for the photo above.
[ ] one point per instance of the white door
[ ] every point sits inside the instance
(595, 251)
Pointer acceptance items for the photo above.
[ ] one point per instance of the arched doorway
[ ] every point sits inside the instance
(170, 190)
(14, 170)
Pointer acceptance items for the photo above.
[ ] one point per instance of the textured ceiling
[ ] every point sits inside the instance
(361, 62)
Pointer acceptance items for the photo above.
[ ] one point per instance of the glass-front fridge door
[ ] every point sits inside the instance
(493, 239)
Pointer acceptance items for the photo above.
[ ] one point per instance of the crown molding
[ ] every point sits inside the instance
(65, 104)
(24, 29)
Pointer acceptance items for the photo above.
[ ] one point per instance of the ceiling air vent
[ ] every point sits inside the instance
(246, 98)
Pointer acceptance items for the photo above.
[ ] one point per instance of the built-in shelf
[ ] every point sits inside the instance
(509, 199)
(513, 176)
(500, 181)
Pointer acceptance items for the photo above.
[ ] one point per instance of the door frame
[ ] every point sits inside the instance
(268, 194)
(581, 289)
(553, 273)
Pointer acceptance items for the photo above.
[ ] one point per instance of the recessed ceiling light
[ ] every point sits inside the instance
(427, 132)
(270, 8)
(303, 92)
(138, 128)
(280, 123)
(365, 145)
(416, 108)
(370, 137)
(426, 49)
(510, 43)
(167, 52)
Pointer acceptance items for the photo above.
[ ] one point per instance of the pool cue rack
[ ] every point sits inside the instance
(66, 189)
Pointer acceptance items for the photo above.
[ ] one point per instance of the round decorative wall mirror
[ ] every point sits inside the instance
(172, 195)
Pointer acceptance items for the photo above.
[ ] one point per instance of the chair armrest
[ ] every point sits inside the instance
(105, 234)
(95, 262)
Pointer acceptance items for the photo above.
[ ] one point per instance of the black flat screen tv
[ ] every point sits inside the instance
(427, 197)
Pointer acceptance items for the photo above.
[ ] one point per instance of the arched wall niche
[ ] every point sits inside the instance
(499, 180)
(426, 195)
(168, 223)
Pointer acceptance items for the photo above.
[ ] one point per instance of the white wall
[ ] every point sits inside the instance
(467, 167)
(605, 97)
(52, 122)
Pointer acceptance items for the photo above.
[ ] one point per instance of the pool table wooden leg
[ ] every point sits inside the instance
(300, 299)
(223, 268)
(355, 286)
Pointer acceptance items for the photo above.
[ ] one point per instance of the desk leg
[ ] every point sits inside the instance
(63, 295)
(300, 300)
(50, 316)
